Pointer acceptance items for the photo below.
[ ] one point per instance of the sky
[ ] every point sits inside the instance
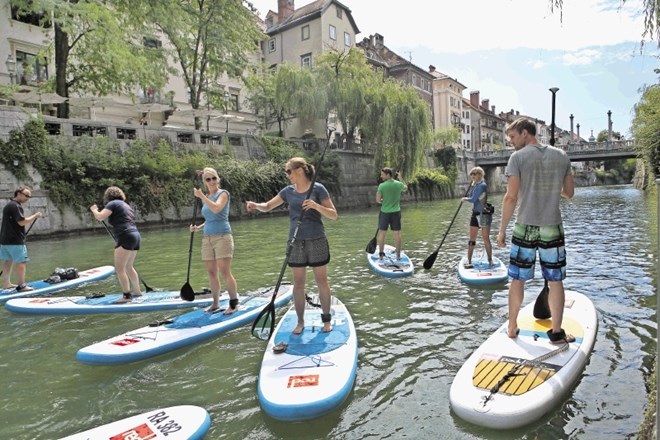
(513, 51)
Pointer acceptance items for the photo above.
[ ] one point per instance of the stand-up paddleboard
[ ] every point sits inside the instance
(42, 287)
(169, 334)
(106, 303)
(389, 266)
(184, 422)
(481, 272)
(315, 372)
(511, 382)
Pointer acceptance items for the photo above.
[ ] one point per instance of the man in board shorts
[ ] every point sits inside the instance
(389, 196)
(12, 239)
(538, 176)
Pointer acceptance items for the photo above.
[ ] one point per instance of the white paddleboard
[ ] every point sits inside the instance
(41, 287)
(390, 266)
(169, 334)
(524, 391)
(184, 422)
(105, 303)
(481, 272)
(316, 372)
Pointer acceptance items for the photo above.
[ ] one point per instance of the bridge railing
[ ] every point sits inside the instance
(571, 148)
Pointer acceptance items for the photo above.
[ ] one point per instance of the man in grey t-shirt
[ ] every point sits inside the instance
(538, 176)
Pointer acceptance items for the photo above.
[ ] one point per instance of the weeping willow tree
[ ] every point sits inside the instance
(388, 115)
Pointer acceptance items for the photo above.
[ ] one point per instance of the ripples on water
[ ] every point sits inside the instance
(414, 333)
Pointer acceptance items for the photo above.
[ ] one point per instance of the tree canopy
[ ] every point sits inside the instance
(95, 48)
(646, 126)
(386, 114)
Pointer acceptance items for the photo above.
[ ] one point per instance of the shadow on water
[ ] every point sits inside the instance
(413, 333)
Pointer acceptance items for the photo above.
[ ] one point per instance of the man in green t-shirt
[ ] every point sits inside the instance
(389, 196)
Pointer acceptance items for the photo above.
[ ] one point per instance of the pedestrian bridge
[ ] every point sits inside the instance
(577, 152)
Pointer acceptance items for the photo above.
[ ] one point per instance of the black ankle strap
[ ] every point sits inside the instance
(233, 303)
(326, 317)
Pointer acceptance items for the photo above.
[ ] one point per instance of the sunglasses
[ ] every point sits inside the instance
(288, 171)
(474, 174)
(209, 179)
(25, 195)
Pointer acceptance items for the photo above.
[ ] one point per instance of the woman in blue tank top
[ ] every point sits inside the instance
(218, 241)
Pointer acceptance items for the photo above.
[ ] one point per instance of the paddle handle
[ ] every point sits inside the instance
(192, 235)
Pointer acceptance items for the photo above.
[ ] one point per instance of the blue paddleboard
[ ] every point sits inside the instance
(41, 287)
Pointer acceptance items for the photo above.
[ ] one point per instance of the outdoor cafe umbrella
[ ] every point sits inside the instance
(38, 97)
(199, 113)
(153, 107)
(92, 102)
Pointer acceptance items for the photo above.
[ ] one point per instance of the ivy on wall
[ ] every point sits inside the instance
(155, 175)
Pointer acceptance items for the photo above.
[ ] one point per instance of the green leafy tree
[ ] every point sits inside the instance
(602, 136)
(97, 48)
(209, 37)
(646, 127)
(446, 136)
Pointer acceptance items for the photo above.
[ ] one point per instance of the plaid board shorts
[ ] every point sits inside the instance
(549, 241)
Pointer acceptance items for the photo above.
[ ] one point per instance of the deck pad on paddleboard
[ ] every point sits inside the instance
(389, 265)
(185, 422)
(42, 287)
(106, 303)
(511, 382)
(172, 333)
(481, 272)
(316, 372)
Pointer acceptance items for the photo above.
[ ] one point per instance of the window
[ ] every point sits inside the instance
(233, 102)
(88, 130)
(305, 32)
(32, 18)
(333, 32)
(347, 39)
(271, 45)
(152, 43)
(126, 133)
(52, 128)
(30, 69)
(306, 60)
(185, 138)
(340, 12)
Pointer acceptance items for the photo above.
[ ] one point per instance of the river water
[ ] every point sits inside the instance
(414, 333)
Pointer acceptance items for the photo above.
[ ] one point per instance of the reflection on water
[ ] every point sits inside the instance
(414, 333)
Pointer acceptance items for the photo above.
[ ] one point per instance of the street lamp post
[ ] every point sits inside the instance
(554, 91)
(11, 68)
(226, 111)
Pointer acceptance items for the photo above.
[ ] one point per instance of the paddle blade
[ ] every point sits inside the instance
(371, 246)
(187, 292)
(542, 306)
(428, 263)
(264, 325)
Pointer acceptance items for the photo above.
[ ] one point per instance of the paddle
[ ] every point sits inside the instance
(371, 246)
(26, 233)
(266, 319)
(428, 263)
(542, 306)
(187, 292)
(105, 225)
